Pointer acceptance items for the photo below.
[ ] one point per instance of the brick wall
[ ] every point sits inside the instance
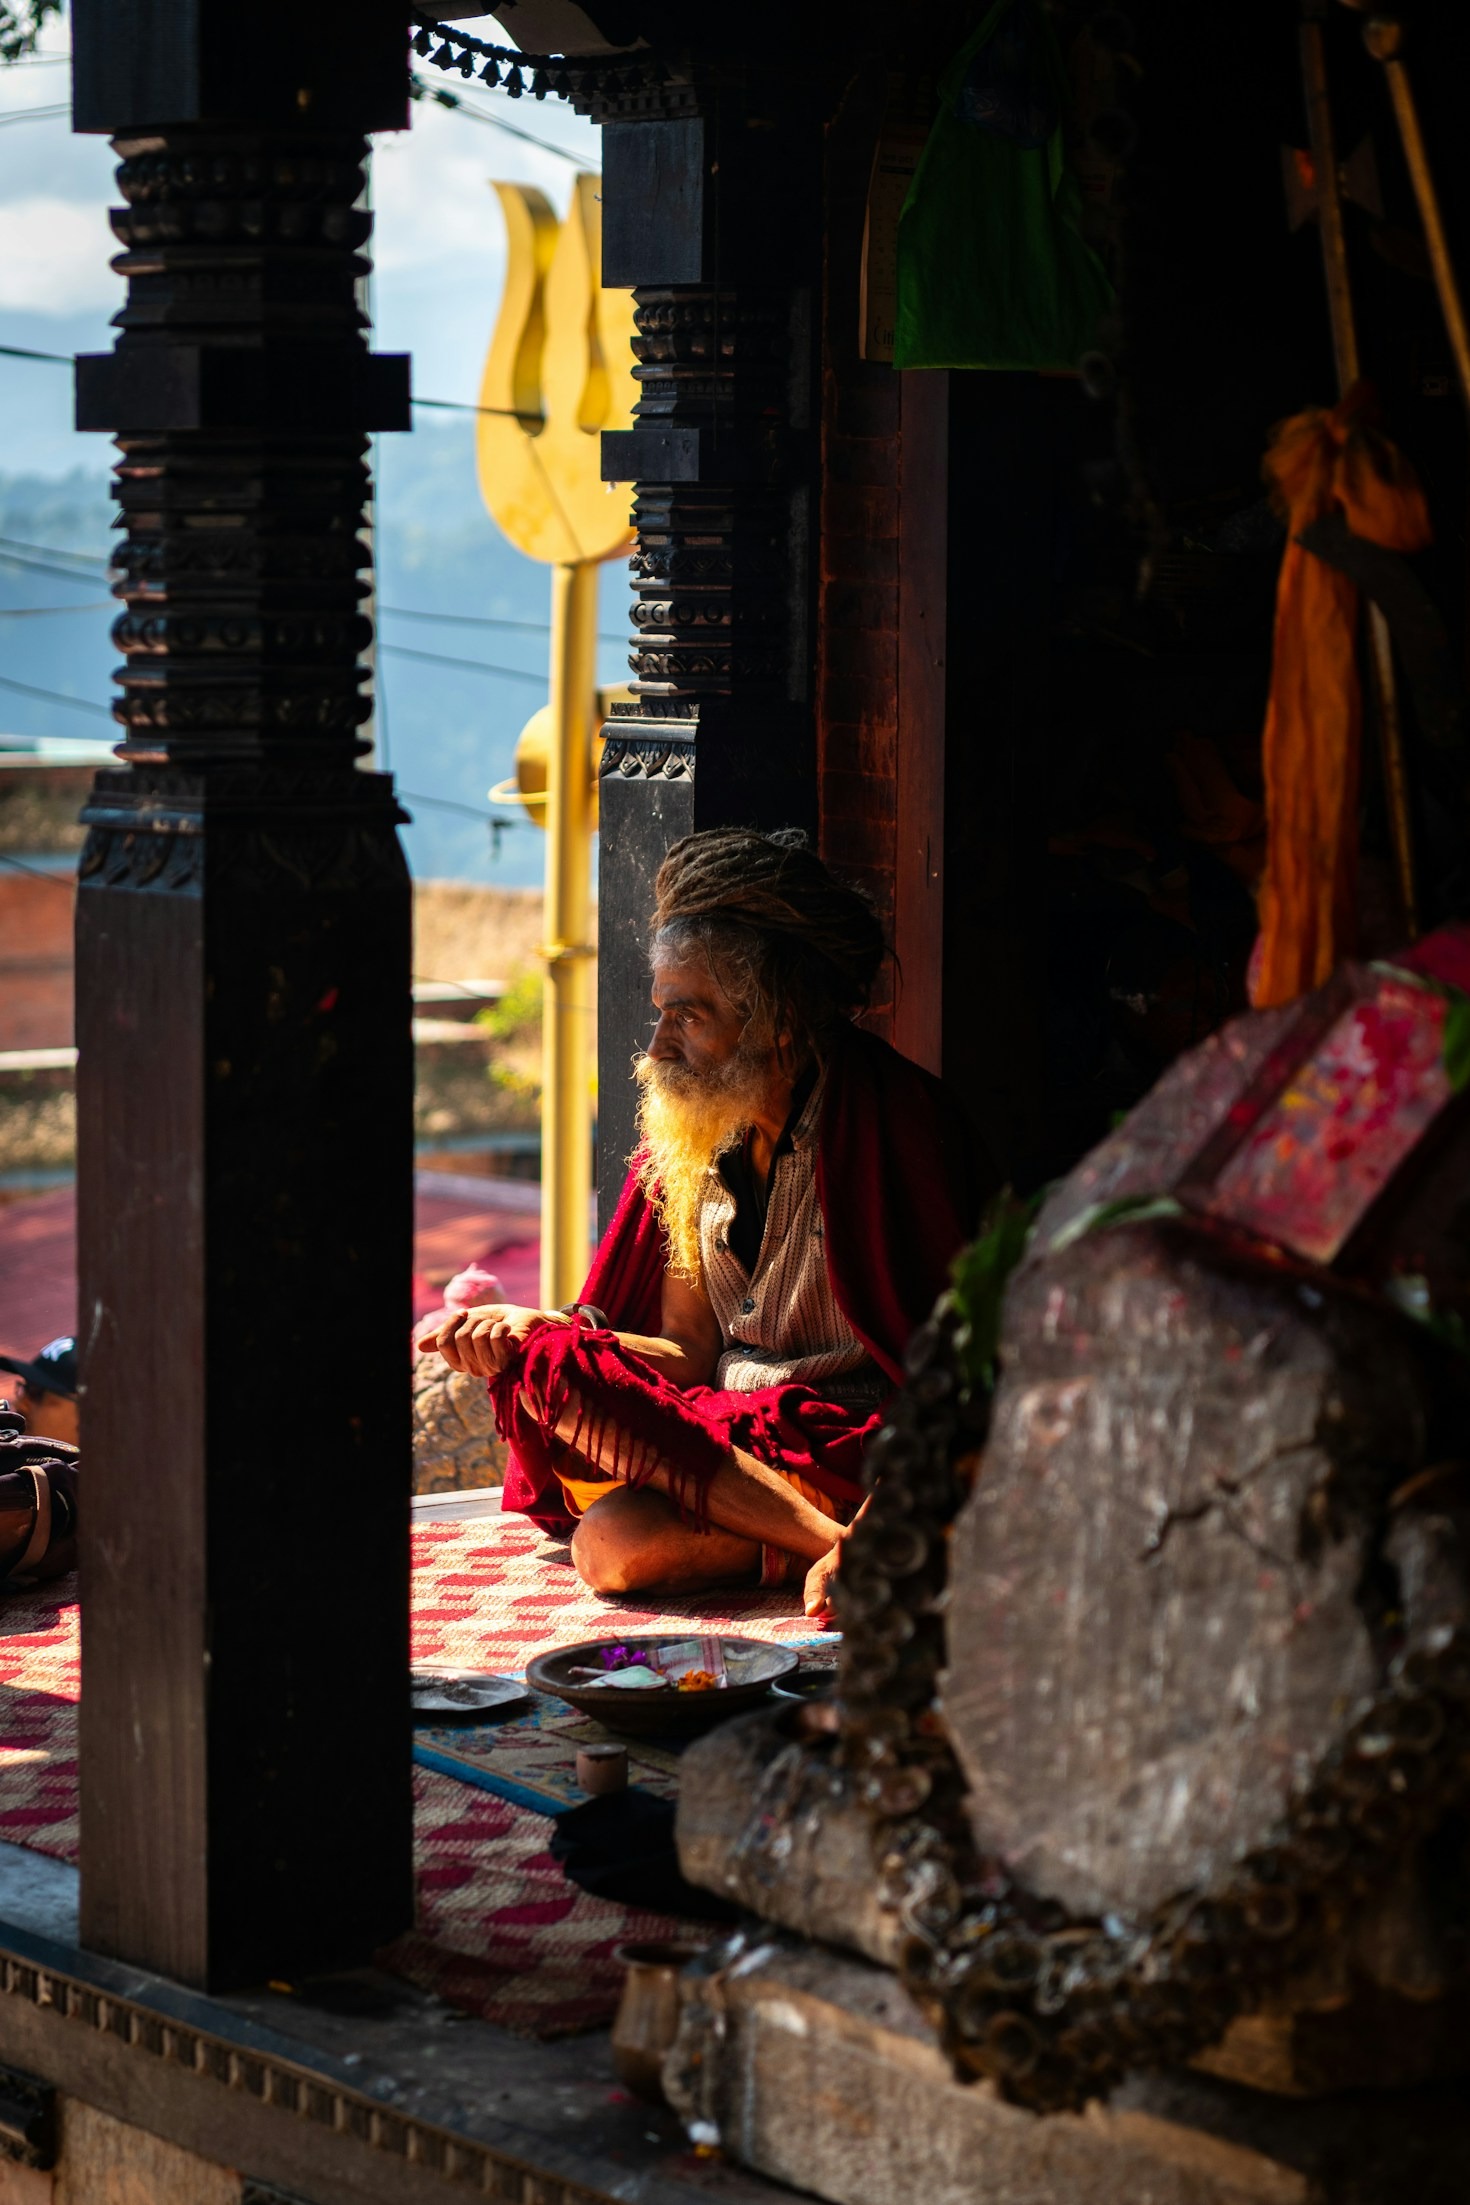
(35, 959)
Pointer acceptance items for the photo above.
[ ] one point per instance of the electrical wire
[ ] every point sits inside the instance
(40, 612)
(499, 413)
(468, 665)
(451, 804)
(41, 566)
(55, 551)
(54, 696)
(460, 106)
(483, 620)
(33, 114)
(409, 796)
(38, 872)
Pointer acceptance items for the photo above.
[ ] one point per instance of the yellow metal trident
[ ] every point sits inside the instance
(559, 371)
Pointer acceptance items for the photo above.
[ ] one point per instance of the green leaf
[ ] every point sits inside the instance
(1409, 1293)
(1455, 1041)
(20, 26)
(1128, 1209)
(980, 1274)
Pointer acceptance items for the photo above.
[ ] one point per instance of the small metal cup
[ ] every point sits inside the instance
(602, 1768)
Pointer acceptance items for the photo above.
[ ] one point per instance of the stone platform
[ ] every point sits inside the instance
(817, 2070)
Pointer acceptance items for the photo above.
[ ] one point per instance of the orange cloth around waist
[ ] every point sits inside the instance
(584, 1493)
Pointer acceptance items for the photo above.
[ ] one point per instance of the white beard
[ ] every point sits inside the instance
(686, 1119)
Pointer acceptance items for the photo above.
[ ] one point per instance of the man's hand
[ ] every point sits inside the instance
(485, 1341)
(817, 1593)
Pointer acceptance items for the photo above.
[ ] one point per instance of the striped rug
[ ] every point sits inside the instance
(499, 1931)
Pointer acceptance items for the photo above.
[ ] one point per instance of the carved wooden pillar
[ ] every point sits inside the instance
(243, 1017)
(711, 212)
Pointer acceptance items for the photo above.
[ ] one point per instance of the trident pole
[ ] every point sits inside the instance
(1383, 35)
(566, 1145)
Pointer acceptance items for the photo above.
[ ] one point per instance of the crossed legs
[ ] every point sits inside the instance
(633, 1539)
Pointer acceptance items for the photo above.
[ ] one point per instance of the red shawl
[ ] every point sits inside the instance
(896, 1182)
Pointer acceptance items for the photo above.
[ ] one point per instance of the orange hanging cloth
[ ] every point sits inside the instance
(1318, 460)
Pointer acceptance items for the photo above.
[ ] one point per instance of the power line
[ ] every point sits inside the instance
(429, 658)
(483, 620)
(40, 566)
(38, 872)
(41, 612)
(448, 804)
(54, 696)
(400, 650)
(500, 413)
(54, 551)
(410, 796)
(457, 105)
(469, 665)
(436, 405)
(33, 114)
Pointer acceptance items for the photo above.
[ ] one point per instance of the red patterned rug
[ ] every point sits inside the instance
(500, 1931)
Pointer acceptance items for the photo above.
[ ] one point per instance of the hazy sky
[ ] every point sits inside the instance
(439, 258)
(439, 248)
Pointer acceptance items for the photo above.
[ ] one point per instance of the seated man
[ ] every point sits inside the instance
(797, 1196)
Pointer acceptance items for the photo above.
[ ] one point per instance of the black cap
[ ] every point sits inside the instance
(54, 1370)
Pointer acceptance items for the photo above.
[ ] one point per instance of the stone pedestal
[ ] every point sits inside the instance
(818, 2071)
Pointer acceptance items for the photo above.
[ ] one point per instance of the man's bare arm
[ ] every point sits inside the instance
(485, 1341)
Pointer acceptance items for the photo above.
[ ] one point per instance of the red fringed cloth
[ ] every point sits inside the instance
(899, 1191)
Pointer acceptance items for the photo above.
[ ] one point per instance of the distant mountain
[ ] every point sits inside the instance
(447, 733)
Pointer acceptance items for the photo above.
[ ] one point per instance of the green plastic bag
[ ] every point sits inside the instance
(993, 271)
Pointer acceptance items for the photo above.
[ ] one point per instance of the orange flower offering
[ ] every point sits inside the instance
(697, 1680)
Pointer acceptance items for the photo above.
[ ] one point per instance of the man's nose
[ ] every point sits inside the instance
(664, 1044)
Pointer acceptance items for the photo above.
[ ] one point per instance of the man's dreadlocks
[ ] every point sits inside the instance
(795, 950)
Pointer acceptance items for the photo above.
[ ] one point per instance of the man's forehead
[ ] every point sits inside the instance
(685, 980)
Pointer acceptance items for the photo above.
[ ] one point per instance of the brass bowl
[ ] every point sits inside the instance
(665, 1712)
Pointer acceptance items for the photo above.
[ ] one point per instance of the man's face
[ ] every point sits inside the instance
(698, 1026)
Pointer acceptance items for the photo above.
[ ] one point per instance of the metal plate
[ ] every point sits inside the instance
(441, 1694)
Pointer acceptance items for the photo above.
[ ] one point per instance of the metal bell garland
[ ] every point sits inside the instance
(504, 68)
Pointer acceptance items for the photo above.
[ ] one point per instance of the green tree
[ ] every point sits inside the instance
(20, 26)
